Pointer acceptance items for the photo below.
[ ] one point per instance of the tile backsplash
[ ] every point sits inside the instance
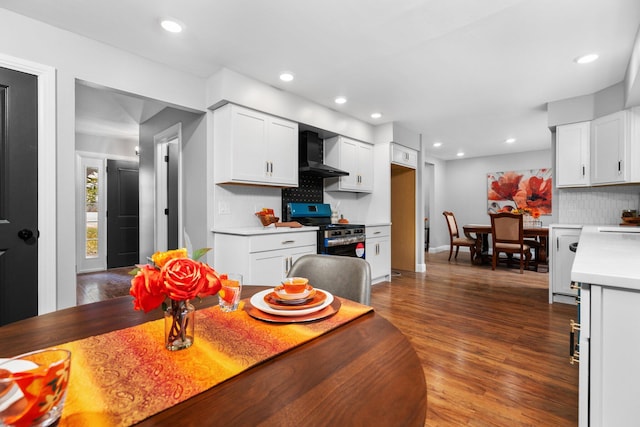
(596, 205)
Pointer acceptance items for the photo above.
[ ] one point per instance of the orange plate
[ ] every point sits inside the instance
(328, 311)
(290, 298)
(272, 300)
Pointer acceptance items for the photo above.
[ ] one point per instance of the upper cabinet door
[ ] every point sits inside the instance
(609, 149)
(351, 156)
(283, 152)
(404, 156)
(572, 155)
(251, 147)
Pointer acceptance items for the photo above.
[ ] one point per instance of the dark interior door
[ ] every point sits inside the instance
(172, 195)
(18, 196)
(122, 213)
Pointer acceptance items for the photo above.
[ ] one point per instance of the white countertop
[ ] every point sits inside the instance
(254, 231)
(608, 256)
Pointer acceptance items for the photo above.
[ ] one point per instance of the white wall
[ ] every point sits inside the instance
(76, 57)
(461, 187)
(228, 86)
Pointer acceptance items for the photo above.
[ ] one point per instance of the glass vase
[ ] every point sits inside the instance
(179, 325)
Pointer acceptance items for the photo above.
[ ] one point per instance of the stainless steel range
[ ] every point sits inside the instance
(333, 239)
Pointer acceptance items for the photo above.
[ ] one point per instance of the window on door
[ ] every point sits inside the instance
(92, 226)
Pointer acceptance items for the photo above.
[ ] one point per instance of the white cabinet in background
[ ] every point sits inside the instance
(572, 155)
(263, 259)
(251, 147)
(354, 157)
(404, 156)
(560, 263)
(378, 252)
(615, 155)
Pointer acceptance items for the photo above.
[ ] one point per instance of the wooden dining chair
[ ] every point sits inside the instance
(455, 239)
(507, 234)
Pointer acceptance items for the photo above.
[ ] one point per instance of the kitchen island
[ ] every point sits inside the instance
(607, 270)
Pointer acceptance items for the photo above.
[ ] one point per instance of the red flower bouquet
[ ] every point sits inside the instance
(179, 278)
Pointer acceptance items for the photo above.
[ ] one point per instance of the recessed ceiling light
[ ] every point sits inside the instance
(510, 140)
(585, 59)
(460, 154)
(437, 144)
(376, 115)
(286, 76)
(340, 100)
(171, 25)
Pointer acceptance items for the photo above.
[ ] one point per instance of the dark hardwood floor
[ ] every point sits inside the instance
(494, 352)
(94, 287)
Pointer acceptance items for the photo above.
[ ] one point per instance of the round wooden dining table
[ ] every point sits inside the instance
(364, 372)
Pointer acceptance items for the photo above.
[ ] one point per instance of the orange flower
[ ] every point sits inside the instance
(173, 275)
(161, 258)
(505, 187)
(535, 192)
(147, 289)
(185, 278)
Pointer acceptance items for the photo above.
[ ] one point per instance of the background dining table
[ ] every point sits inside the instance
(364, 372)
(482, 232)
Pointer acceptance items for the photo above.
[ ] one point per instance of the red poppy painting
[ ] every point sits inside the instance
(520, 190)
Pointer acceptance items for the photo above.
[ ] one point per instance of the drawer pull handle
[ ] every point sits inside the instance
(377, 232)
(288, 242)
(575, 285)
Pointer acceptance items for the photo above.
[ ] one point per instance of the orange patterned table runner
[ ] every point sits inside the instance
(122, 377)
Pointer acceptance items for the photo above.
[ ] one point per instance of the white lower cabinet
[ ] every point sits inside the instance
(263, 259)
(609, 354)
(560, 263)
(378, 252)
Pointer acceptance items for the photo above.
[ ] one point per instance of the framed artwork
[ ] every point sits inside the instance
(525, 191)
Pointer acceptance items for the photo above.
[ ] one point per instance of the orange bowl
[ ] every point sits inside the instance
(295, 285)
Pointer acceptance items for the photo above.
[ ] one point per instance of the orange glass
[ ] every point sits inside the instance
(33, 387)
(229, 294)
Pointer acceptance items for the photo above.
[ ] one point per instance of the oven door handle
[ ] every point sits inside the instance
(342, 241)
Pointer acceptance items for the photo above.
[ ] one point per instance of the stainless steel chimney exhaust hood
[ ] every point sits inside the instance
(310, 157)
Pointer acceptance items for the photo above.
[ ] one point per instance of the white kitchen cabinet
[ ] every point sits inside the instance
(609, 353)
(354, 157)
(560, 263)
(614, 159)
(572, 155)
(378, 252)
(404, 156)
(251, 147)
(263, 259)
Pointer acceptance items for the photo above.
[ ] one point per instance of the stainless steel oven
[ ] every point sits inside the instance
(342, 241)
(333, 239)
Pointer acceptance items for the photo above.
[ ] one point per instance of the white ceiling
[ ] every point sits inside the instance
(467, 73)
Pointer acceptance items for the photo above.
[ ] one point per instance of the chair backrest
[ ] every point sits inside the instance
(452, 224)
(507, 227)
(346, 277)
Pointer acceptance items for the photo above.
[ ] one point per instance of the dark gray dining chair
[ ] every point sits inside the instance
(346, 277)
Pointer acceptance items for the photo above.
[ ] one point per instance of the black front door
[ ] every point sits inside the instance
(122, 213)
(18, 196)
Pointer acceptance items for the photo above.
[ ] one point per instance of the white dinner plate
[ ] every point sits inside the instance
(257, 300)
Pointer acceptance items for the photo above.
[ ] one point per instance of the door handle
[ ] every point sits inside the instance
(25, 234)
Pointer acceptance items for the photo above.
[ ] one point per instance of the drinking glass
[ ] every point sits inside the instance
(229, 294)
(33, 387)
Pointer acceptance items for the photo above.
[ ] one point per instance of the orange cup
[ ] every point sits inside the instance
(295, 285)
